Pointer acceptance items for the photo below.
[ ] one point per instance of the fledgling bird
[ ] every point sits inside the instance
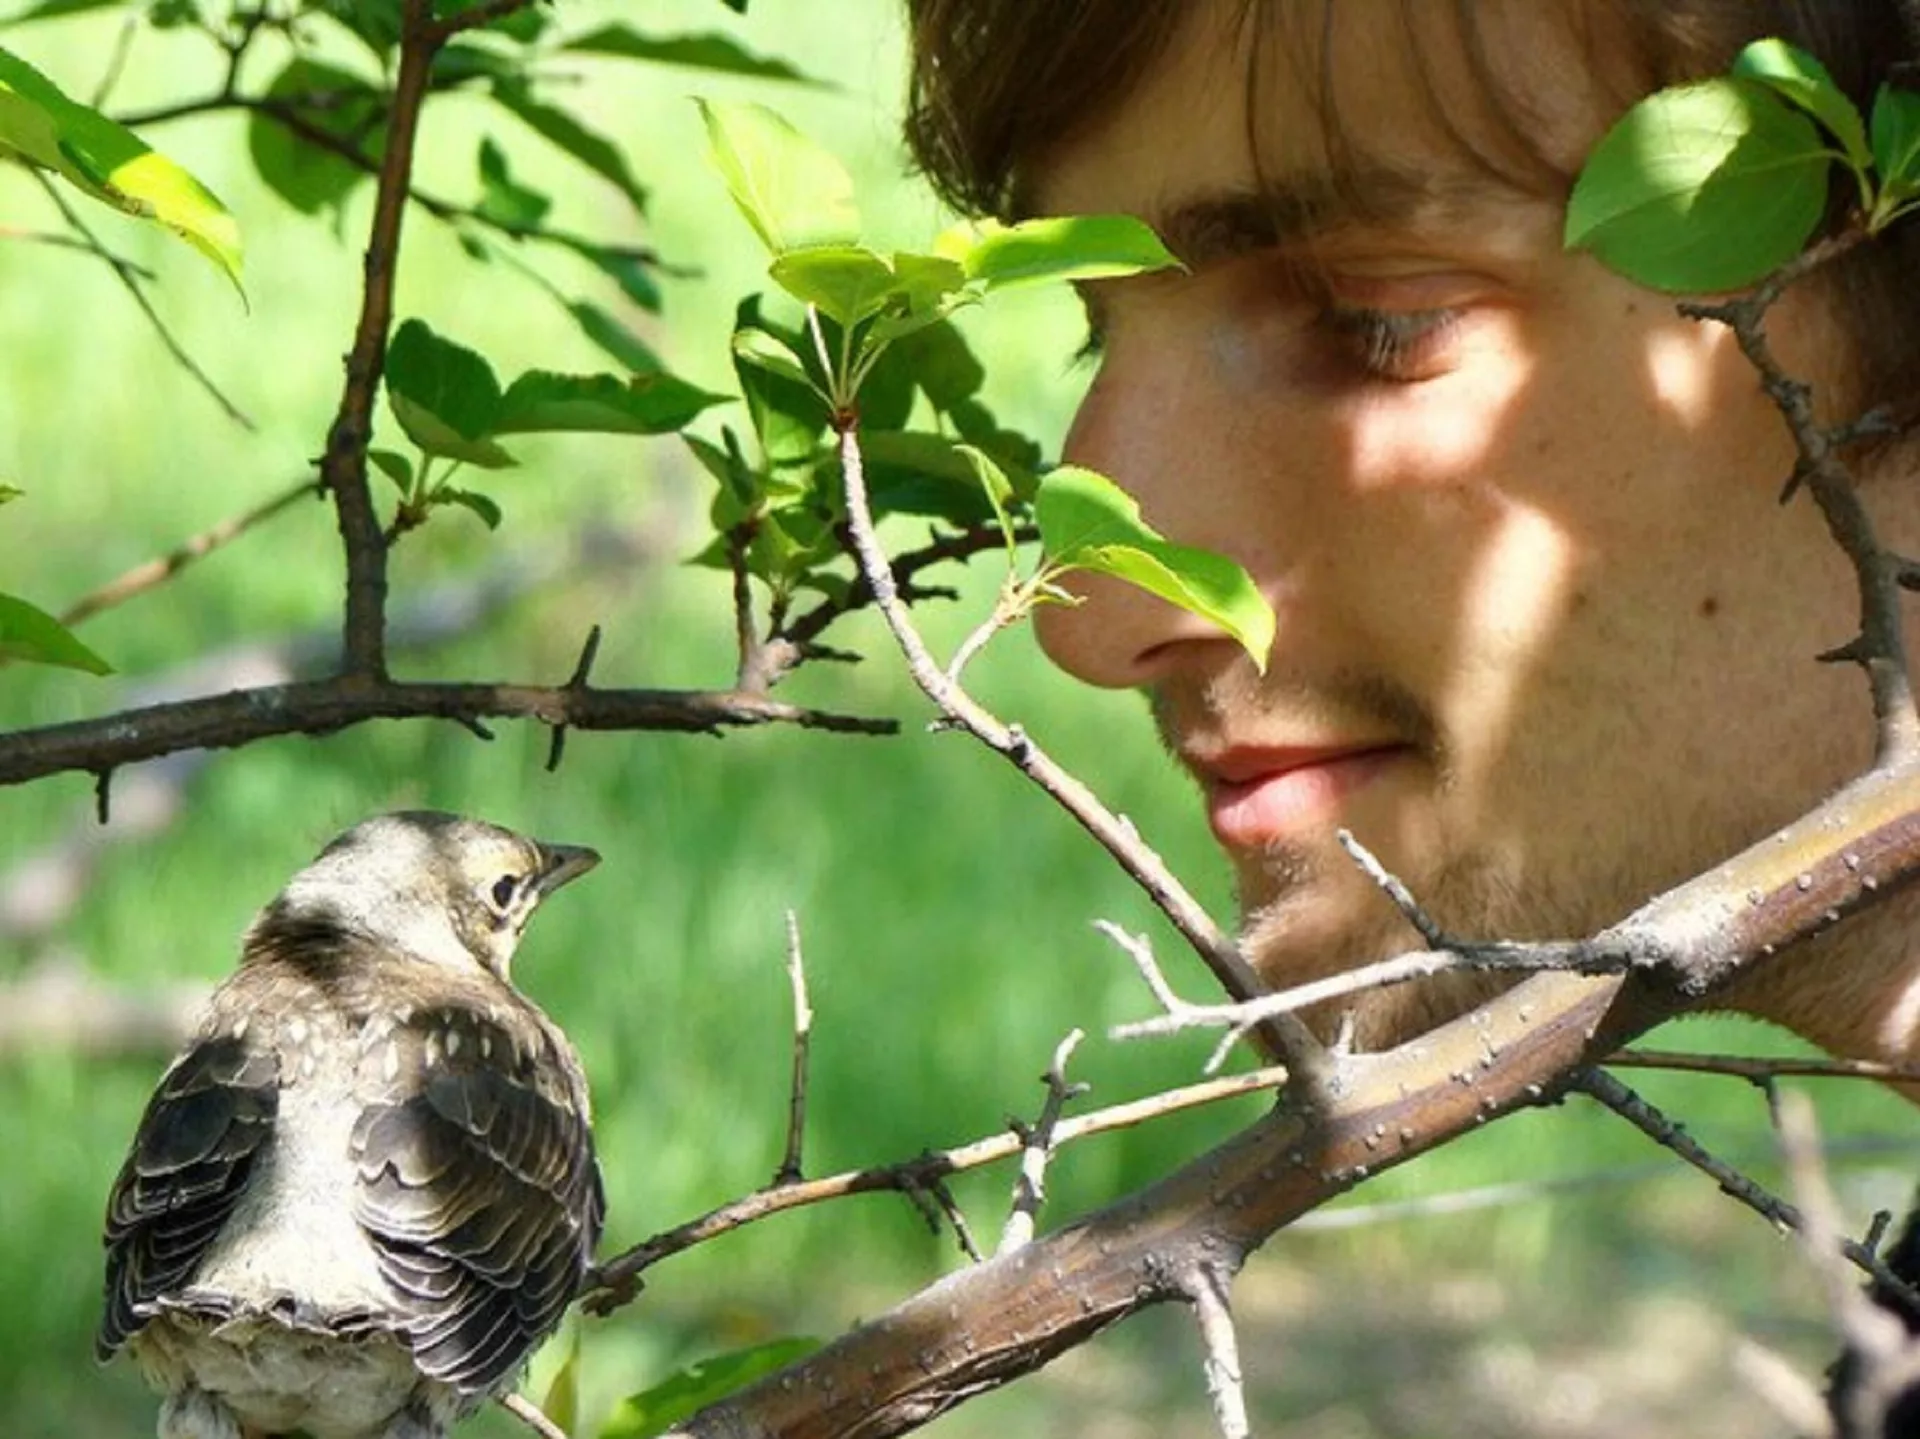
(367, 1187)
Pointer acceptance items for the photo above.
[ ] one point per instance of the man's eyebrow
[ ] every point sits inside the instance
(1213, 226)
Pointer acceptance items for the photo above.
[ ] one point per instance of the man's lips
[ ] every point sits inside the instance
(1261, 796)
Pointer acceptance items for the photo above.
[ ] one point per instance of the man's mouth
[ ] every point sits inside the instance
(1258, 797)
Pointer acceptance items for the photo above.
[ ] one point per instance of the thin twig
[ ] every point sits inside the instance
(1288, 1038)
(1880, 646)
(614, 1278)
(1588, 957)
(1616, 1096)
(790, 1171)
(129, 277)
(1397, 891)
(1762, 1071)
(1221, 1344)
(1036, 1147)
(144, 577)
(528, 1413)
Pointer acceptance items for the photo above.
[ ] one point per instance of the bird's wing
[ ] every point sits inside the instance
(191, 1154)
(478, 1186)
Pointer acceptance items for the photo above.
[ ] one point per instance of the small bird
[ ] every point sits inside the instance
(366, 1189)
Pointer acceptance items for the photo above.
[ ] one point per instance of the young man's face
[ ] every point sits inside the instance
(1546, 640)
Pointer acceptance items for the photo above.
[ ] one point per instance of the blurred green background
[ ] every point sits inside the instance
(946, 910)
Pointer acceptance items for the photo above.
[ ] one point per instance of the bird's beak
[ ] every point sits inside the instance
(563, 862)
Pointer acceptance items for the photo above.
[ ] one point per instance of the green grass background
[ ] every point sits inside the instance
(946, 909)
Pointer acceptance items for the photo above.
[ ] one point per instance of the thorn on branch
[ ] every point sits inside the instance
(1856, 651)
(473, 727)
(1036, 1140)
(576, 684)
(103, 796)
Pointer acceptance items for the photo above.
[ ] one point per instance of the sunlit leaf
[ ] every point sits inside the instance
(792, 192)
(1804, 81)
(52, 9)
(1087, 522)
(1073, 247)
(848, 283)
(713, 52)
(649, 404)
(30, 633)
(1701, 188)
(109, 162)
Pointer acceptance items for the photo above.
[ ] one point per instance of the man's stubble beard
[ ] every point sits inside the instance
(1569, 887)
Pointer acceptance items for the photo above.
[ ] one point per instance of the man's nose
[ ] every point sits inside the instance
(1159, 437)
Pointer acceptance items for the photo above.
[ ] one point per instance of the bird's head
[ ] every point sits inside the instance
(444, 888)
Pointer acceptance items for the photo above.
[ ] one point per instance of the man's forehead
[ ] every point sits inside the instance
(1242, 132)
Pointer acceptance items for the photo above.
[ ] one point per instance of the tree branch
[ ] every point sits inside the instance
(318, 707)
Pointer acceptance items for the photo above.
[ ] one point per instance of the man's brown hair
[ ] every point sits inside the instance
(998, 84)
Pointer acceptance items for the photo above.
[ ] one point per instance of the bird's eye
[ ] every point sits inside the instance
(504, 889)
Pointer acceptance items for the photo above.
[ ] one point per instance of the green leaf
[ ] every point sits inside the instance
(1701, 188)
(445, 396)
(791, 191)
(700, 52)
(615, 338)
(650, 404)
(763, 351)
(847, 283)
(631, 270)
(1074, 247)
(1896, 146)
(480, 505)
(559, 127)
(737, 480)
(375, 22)
(910, 472)
(109, 162)
(395, 466)
(1803, 81)
(1087, 522)
(698, 1385)
(29, 633)
(9, 492)
(504, 200)
(52, 9)
(788, 412)
(333, 101)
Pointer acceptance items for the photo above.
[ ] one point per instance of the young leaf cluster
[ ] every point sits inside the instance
(1710, 186)
(877, 328)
